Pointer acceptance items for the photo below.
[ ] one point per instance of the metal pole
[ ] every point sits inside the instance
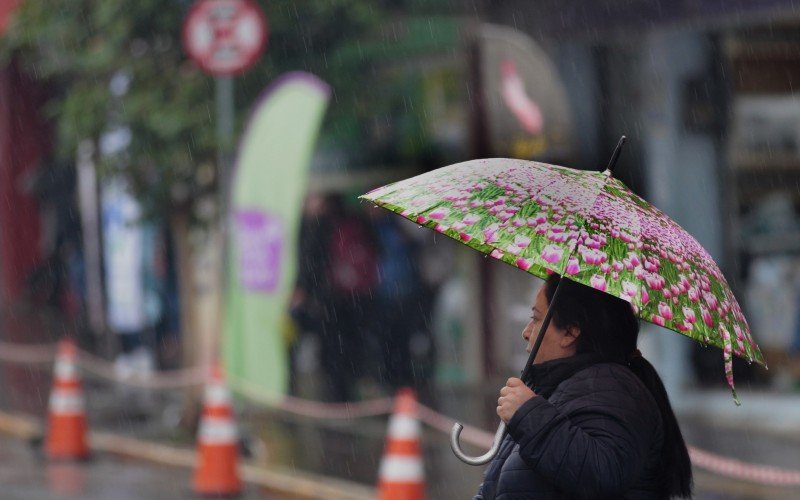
(224, 103)
(225, 117)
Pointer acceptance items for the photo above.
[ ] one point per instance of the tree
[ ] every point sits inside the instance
(121, 64)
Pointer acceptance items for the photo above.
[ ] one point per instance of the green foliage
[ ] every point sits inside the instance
(79, 46)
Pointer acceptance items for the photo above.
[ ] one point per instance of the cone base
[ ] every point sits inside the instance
(66, 438)
(218, 494)
(217, 472)
(400, 491)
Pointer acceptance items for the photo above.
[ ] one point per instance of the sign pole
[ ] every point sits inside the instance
(224, 38)
(225, 110)
(223, 86)
(224, 104)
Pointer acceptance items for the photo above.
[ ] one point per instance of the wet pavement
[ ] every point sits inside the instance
(348, 450)
(25, 475)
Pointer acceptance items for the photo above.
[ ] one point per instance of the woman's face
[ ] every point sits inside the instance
(557, 342)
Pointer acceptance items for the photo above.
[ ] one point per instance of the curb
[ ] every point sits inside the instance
(275, 479)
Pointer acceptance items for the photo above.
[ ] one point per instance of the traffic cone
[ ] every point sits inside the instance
(401, 475)
(66, 422)
(217, 443)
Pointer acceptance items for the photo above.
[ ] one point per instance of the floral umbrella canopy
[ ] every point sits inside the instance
(587, 226)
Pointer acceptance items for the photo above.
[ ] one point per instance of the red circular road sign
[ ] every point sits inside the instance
(224, 37)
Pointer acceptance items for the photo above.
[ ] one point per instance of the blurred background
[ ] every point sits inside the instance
(115, 145)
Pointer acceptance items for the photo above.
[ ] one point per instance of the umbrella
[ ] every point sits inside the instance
(586, 226)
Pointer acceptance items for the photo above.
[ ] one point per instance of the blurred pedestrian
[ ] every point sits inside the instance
(337, 278)
(596, 422)
(311, 293)
(400, 305)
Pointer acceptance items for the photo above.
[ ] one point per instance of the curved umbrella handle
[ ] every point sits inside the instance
(480, 460)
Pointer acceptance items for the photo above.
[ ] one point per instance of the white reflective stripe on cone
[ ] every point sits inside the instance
(401, 469)
(215, 430)
(66, 402)
(217, 395)
(403, 427)
(65, 369)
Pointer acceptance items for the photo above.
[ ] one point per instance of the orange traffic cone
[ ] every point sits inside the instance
(401, 475)
(66, 427)
(217, 445)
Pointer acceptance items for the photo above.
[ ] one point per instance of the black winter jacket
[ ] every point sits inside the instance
(597, 435)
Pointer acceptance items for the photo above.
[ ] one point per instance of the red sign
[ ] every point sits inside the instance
(224, 37)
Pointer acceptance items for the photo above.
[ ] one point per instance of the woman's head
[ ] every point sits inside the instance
(602, 323)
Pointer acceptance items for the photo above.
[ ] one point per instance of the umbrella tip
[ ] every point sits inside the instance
(615, 155)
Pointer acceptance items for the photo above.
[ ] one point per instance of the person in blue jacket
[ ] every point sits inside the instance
(596, 421)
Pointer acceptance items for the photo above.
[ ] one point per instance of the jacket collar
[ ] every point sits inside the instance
(545, 377)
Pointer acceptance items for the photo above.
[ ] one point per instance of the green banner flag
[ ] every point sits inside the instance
(267, 195)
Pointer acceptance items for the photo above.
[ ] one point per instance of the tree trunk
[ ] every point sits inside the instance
(198, 257)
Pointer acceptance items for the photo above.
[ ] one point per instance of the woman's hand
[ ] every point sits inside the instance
(512, 396)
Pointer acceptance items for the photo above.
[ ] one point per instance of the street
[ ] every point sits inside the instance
(25, 475)
(349, 450)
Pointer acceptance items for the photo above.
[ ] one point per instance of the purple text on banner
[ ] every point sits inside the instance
(259, 241)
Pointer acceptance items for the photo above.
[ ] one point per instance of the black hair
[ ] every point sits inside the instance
(610, 328)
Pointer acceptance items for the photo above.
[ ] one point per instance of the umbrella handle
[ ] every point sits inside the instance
(482, 459)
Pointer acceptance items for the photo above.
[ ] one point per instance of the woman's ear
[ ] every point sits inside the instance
(570, 338)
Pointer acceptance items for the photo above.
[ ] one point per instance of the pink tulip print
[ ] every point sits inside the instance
(522, 241)
(514, 249)
(594, 257)
(689, 314)
(586, 225)
(706, 316)
(664, 310)
(573, 266)
(439, 213)
(524, 264)
(552, 253)
(629, 289)
(598, 282)
(471, 219)
(490, 233)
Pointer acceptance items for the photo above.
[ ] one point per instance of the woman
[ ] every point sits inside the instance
(596, 422)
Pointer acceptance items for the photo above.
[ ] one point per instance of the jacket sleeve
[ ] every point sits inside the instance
(597, 450)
